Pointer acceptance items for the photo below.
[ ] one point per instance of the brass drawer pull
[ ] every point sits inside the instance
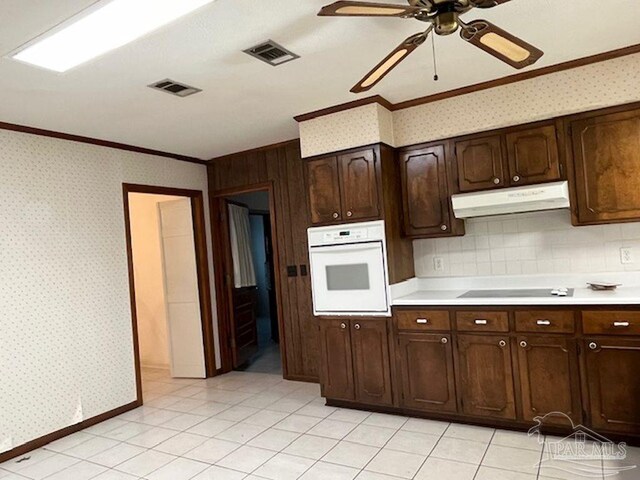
(620, 324)
(422, 321)
(343, 325)
(543, 323)
(593, 345)
(444, 340)
(502, 343)
(480, 321)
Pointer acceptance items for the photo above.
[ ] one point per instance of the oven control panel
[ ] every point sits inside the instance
(348, 233)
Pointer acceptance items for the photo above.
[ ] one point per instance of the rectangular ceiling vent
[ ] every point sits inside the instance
(174, 88)
(272, 53)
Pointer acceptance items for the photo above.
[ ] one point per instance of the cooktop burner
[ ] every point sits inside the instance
(519, 293)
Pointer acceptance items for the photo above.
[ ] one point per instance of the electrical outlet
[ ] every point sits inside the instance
(626, 255)
(438, 264)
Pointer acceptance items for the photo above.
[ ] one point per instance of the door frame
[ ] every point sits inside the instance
(202, 267)
(221, 255)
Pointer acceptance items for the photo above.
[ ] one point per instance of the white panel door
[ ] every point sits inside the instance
(184, 324)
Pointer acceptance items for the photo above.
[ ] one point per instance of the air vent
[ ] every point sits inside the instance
(272, 53)
(174, 88)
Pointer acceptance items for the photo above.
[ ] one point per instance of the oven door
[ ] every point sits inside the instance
(349, 279)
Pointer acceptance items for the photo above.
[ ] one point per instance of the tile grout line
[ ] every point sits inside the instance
(485, 454)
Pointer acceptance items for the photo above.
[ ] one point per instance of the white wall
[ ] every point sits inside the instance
(541, 242)
(151, 311)
(66, 350)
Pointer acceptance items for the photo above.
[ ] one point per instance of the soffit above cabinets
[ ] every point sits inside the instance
(245, 103)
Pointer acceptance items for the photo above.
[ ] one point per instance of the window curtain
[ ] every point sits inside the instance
(240, 232)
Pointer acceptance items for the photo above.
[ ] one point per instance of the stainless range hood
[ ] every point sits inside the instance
(547, 196)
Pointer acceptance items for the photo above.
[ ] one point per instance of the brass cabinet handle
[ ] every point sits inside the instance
(444, 340)
(523, 344)
(336, 214)
(480, 321)
(502, 343)
(444, 228)
(543, 323)
(621, 324)
(343, 325)
(357, 326)
(593, 345)
(349, 214)
(422, 321)
(496, 181)
(516, 178)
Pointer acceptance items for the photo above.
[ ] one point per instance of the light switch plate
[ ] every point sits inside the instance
(438, 264)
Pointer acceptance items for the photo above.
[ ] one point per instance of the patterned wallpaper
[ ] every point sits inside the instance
(598, 85)
(66, 349)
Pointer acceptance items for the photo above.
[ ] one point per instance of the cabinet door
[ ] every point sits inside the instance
(549, 377)
(359, 185)
(426, 369)
(486, 376)
(425, 191)
(324, 190)
(606, 159)
(480, 163)
(337, 364)
(613, 373)
(533, 156)
(371, 361)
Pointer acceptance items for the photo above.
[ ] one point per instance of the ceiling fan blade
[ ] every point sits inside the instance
(488, 3)
(390, 61)
(367, 9)
(501, 44)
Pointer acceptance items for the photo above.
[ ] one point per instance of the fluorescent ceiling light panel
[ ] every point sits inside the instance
(111, 26)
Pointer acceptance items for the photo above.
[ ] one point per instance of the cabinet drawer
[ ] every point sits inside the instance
(423, 320)
(611, 322)
(482, 321)
(550, 321)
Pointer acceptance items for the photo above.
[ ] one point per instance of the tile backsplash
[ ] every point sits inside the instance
(529, 243)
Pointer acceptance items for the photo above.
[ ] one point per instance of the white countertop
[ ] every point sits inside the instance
(446, 290)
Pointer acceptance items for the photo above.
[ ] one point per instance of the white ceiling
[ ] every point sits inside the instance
(246, 103)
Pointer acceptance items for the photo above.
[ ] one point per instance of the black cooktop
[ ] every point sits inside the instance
(516, 293)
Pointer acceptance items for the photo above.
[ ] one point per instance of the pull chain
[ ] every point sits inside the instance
(435, 63)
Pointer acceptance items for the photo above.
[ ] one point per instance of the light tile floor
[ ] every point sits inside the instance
(255, 426)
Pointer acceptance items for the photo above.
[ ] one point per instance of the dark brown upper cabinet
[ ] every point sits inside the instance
(480, 163)
(426, 191)
(344, 188)
(508, 158)
(533, 156)
(604, 158)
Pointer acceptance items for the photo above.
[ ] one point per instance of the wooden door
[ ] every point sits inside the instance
(549, 377)
(324, 190)
(613, 378)
(337, 379)
(181, 291)
(486, 377)
(371, 361)
(425, 192)
(480, 163)
(606, 160)
(359, 185)
(426, 371)
(533, 156)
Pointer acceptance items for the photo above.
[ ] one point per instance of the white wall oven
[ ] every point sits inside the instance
(349, 274)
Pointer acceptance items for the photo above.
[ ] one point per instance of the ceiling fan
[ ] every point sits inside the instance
(443, 17)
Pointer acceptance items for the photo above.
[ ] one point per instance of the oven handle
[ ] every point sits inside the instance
(350, 247)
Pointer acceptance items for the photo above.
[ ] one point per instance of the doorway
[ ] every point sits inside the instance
(247, 281)
(169, 283)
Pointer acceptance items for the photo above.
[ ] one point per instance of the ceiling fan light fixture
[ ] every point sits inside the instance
(505, 46)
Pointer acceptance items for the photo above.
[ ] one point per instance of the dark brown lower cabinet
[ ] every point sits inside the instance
(613, 378)
(486, 376)
(549, 378)
(336, 376)
(426, 372)
(355, 360)
(371, 362)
